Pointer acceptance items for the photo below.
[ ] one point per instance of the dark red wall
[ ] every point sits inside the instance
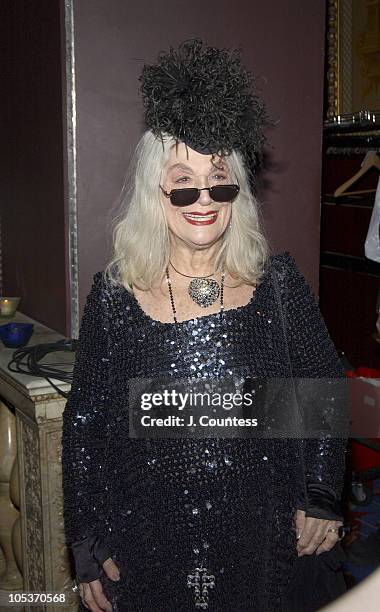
(283, 43)
(32, 203)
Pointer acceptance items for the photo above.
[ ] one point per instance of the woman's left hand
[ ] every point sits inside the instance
(314, 534)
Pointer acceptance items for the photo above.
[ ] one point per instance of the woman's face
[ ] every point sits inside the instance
(200, 224)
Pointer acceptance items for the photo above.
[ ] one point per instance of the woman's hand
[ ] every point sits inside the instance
(314, 534)
(92, 593)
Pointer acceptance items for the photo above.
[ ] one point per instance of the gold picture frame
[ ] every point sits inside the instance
(353, 57)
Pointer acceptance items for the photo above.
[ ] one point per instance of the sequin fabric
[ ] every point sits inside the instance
(203, 524)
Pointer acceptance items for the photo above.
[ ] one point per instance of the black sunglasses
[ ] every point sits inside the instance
(189, 195)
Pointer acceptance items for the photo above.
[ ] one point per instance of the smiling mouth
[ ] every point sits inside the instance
(201, 217)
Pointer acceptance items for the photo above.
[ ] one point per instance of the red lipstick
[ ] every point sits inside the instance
(198, 218)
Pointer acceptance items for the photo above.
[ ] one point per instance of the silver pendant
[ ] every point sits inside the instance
(204, 291)
(201, 581)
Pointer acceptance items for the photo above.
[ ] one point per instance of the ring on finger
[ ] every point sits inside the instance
(340, 531)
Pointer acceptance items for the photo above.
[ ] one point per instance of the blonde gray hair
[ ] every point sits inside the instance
(141, 240)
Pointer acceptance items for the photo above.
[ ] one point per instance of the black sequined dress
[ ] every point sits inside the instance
(224, 506)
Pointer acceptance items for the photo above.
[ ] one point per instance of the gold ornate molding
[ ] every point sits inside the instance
(353, 74)
(333, 59)
(45, 555)
(33, 510)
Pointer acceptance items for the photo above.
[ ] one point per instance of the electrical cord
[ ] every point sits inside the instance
(26, 360)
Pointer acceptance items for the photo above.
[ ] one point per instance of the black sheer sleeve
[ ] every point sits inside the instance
(323, 397)
(85, 422)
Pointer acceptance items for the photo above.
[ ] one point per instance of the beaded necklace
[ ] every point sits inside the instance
(172, 297)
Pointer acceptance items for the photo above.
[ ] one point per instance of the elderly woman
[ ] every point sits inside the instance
(189, 522)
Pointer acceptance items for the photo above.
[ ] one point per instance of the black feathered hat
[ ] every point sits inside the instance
(204, 97)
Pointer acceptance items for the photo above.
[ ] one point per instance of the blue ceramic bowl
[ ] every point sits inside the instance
(16, 334)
